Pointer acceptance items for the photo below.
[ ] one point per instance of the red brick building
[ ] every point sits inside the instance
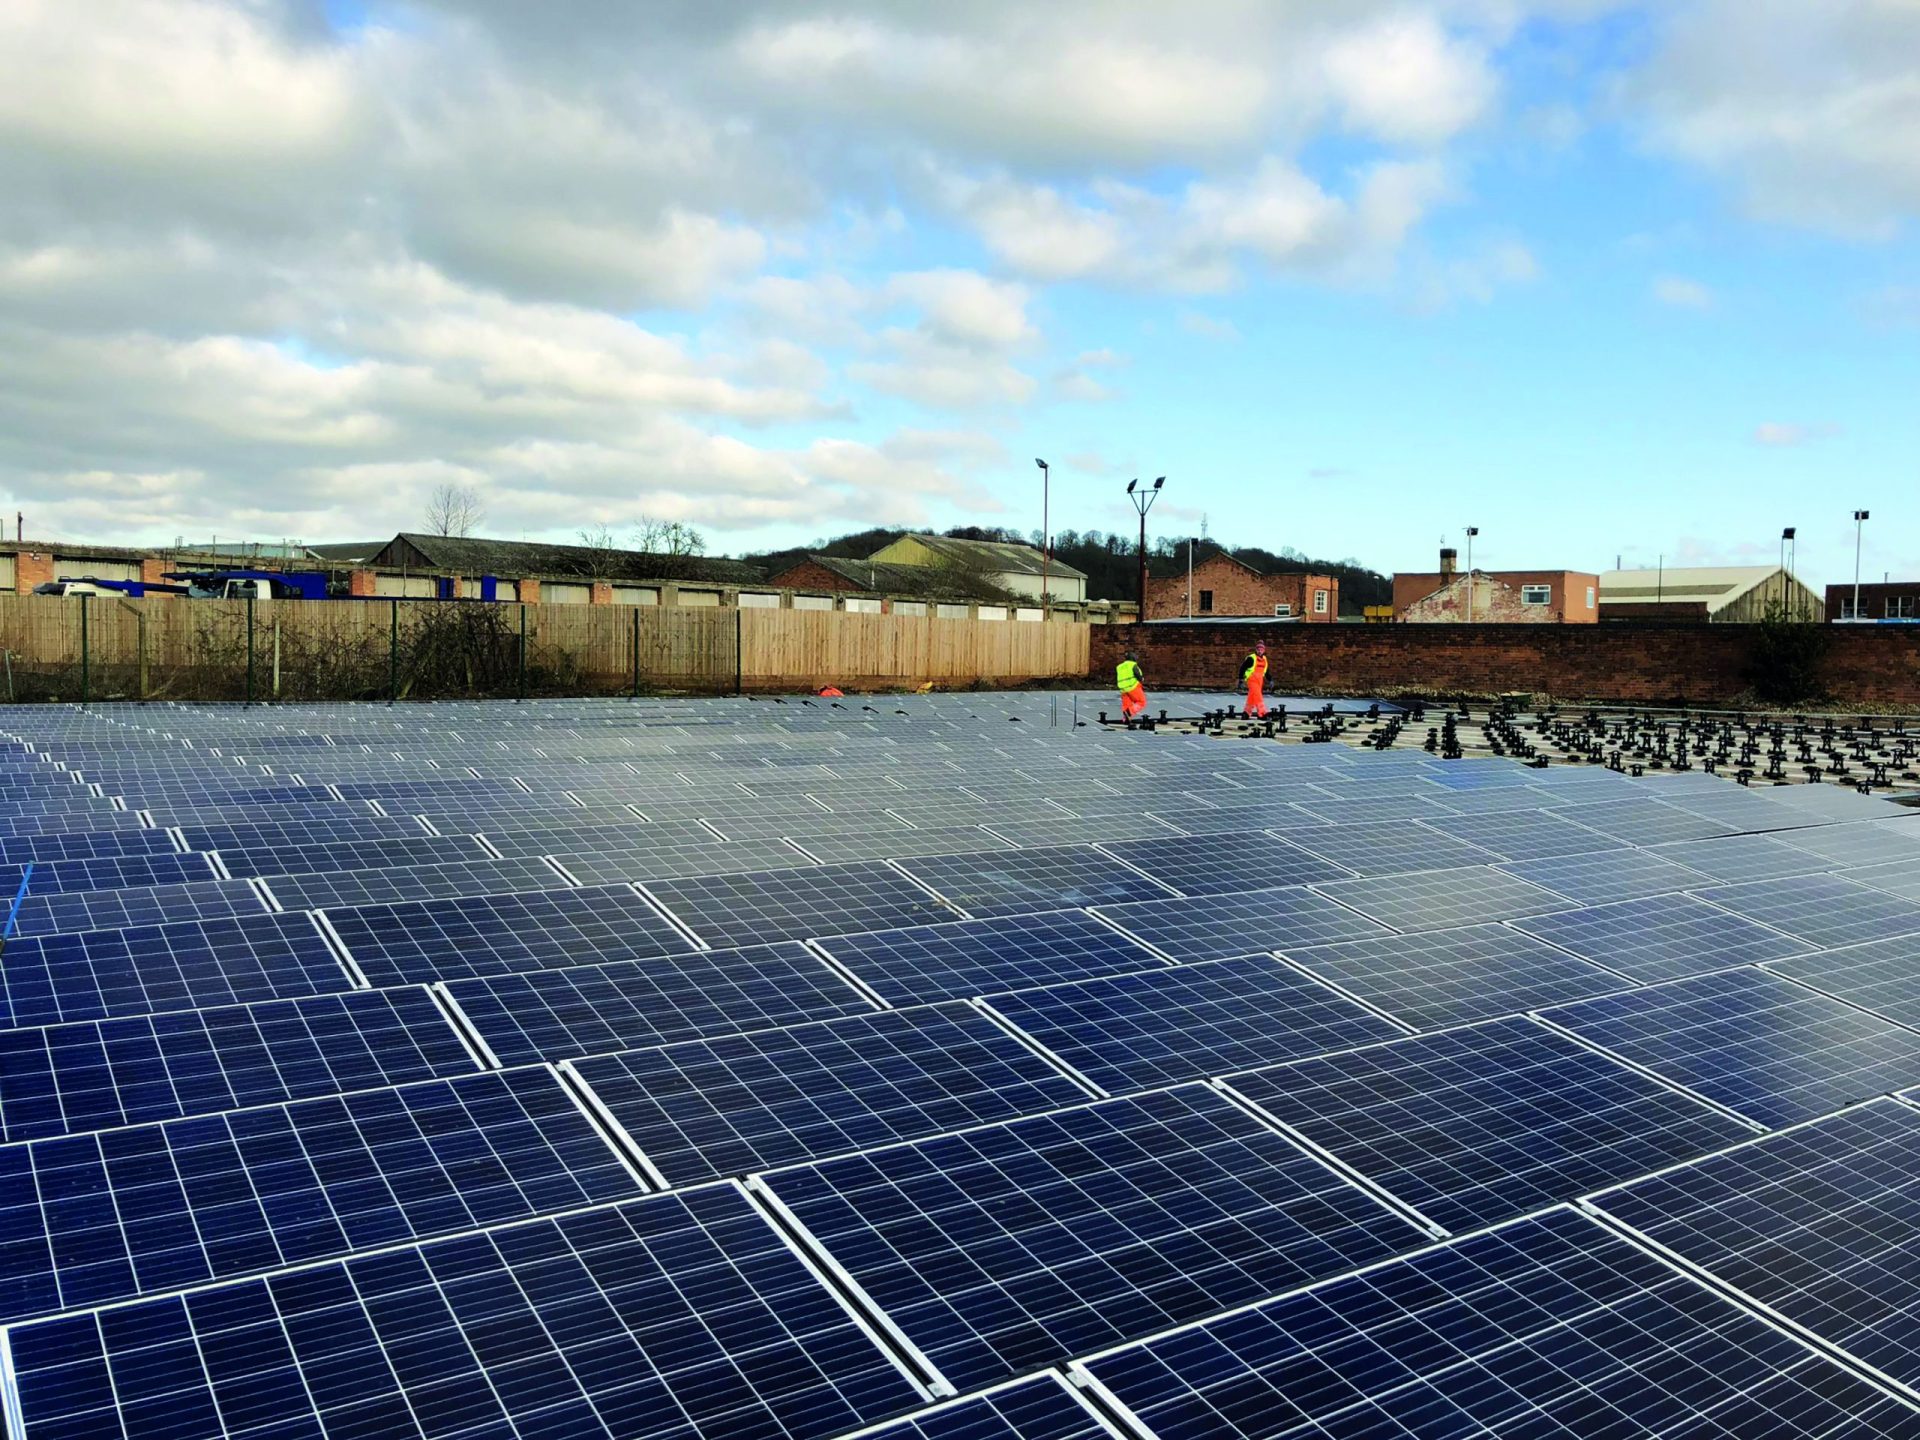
(1223, 586)
(1502, 597)
(1899, 600)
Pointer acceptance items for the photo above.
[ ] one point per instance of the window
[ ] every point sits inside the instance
(1900, 607)
(1536, 594)
(1283, 610)
(1206, 601)
(1589, 597)
(1850, 611)
(1319, 602)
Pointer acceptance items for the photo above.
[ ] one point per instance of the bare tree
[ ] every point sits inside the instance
(604, 546)
(453, 510)
(668, 537)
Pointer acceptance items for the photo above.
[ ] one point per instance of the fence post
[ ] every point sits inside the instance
(249, 649)
(142, 622)
(85, 655)
(739, 631)
(636, 652)
(393, 655)
(521, 682)
(276, 655)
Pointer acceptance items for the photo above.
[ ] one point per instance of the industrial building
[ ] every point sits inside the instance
(1895, 600)
(1729, 594)
(1504, 597)
(1010, 567)
(1221, 586)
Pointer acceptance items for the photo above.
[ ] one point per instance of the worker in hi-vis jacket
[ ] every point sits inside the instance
(1133, 685)
(1253, 671)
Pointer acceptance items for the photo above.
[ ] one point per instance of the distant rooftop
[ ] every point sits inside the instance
(993, 555)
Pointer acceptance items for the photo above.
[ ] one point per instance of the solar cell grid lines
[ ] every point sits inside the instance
(1185, 1022)
(1479, 1125)
(898, 844)
(794, 904)
(1216, 927)
(579, 1010)
(1552, 1325)
(319, 855)
(706, 1109)
(343, 889)
(1082, 1227)
(1225, 865)
(688, 1317)
(1646, 822)
(1858, 844)
(1822, 910)
(105, 872)
(1901, 877)
(82, 844)
(191, 963)
(95, 1075)
(94, 1219)
(976, 957)
(1754, 1042)
(1733, 859)
(1663, 937)
(1438, 978)
(1044, 1407)
(1818, 1223)
(1879, 975)
(615, 866)
(81, 910)
(1608, 875)
(1389, 849)
(531, 842)
(1441, 899)
(1006, 882)
(478, 935)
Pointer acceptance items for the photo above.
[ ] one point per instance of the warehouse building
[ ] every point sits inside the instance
(1727, 594)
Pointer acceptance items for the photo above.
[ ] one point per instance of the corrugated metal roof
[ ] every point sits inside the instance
(993, 555)
(469, 555)
(1713, 585)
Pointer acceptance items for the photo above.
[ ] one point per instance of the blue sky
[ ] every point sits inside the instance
(1604, 279)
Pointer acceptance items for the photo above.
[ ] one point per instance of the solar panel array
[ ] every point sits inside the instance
(803, 1069)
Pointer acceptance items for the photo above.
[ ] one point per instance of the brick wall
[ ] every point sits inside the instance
(1874, 598)
(1566, 604)
(1700, 663)
(1238, 590)
(31, 568)
(809, 576)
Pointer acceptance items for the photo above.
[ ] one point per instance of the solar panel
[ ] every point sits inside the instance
(1823, 910)
(1645, 822)
(1866, 844)
(1043, 1407)
(975, 957)
(1880, 975)
(1474, 1126)
(1527, 835)
(705, 1109)
(416, 849)
(166, 967)
(1029, 881)
(733, 857)
(1737, 858)
(1441, 899)
(1214, 927)
(1820, 1224)
(1610, 875)
(535, 841)
(1216, 820)
(1390, 849)
(343, 889)
(466, 936)
(1758, 1044)
(1015, 1246)
(1901, 877)
(594, 1009)
(106, 872)
(69, 914)
(1447, 977)
(672, 1317)
(1663, 937)
(1225, 865)
(1381, 809)
(98, 1074)
(92, 1219)
(340, 829)
(1182, 1022)
(794, 904)
(1549, 1326)
(78, 844)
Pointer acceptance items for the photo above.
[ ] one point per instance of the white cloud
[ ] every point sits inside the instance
(1402, 77)
(1681, 293)
(1785, 435)
(1209, 327)
(966, 308)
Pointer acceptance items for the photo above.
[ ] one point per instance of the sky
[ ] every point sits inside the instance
(1632, 281)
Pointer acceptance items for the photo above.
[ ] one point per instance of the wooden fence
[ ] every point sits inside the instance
(168, 648)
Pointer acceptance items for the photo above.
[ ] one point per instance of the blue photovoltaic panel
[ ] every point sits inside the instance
(597, 1009)
(976, 957)
(1610, 875)
(1479, 1125)
(706, 1109)
(344, 829)
(481, 935)
(166, 967)
(82, 910)
(531, 842)
(397, 884)
(417, 849)
(795, 904)
(92, 1219)
(612, 866)
(1821, 1223)
(1646, 822)
(1525, 835)
(1182, 1022)
(1881, 975)
(1551, 1326)
(1214, 927)
(1766, 1047)
(1662, 937)
(673, 1317)
(1449, 977)
(82, 844)
(1823, 910)
(1027, 882)
(106, 872)
(1044, 1407)
(1858, 844)
(1013, 1247)
(1390, 848)
(1736, 858)
(1442, 899)
(1225, 864)
(99, 1074)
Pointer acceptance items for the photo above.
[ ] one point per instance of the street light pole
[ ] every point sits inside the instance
(1860, 517)
(1046, 538)
(1143, 501)
(1786, 596)
(1472, 530)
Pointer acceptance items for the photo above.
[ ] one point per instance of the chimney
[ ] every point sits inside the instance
(1449, 562)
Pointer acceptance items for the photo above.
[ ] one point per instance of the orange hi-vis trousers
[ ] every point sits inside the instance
(1256, 695)
(1134, 701)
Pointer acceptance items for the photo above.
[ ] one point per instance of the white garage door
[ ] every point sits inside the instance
(566, 594)
(406, 587)
(635, 595)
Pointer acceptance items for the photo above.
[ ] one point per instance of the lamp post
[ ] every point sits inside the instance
(1860, 517)
(1472, 530)
(1786, 599)
(1046, 538)
(1143, 499)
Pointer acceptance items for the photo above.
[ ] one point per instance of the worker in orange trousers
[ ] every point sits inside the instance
(1254, 673)
(1133, 685)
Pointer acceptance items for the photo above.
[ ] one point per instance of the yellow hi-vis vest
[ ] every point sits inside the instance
(1126, 675)
(1257, 667)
